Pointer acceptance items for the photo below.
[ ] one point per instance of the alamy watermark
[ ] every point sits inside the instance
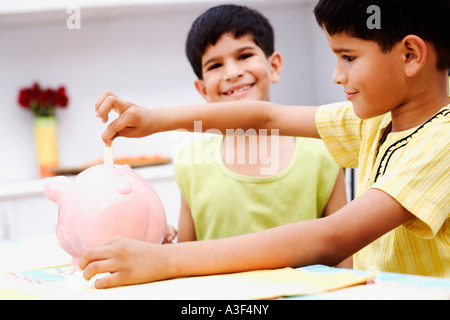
(73, 21)
(250, 147)
(374, 20)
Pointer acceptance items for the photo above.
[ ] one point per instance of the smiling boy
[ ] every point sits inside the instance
(237, 69)
(395, 128)
(249, 182)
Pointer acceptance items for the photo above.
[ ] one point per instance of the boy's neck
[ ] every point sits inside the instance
(421, 107)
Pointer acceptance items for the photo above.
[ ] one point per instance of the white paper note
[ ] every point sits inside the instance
(108, 160)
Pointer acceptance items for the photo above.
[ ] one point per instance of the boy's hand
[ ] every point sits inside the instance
(129, 261)
(133, 121)
(170, 234)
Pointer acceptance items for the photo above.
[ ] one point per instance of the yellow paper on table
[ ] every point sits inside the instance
(290, 282)
(11, 294)
(268, 284)
(253, 285)
(261, 284)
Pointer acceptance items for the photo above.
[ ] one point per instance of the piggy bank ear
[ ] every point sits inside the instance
(122, 187)
(55, 186)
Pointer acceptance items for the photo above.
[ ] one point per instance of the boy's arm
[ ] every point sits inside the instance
(325, 241)
(186, 227)
(338, 197)
(134, 121)
(338, 200)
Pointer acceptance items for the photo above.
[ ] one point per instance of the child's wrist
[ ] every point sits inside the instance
(160, 119)
(173, 263)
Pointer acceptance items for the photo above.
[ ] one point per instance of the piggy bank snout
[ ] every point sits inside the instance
(55, 186)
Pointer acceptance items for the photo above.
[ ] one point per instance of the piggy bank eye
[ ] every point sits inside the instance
(123, 187)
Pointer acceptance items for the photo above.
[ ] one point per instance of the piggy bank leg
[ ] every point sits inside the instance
(75, 265)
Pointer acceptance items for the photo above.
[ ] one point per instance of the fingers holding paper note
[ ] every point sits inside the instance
(133, 121)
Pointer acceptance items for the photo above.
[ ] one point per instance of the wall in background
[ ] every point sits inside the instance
(138, 53)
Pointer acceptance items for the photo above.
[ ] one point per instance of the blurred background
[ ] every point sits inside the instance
(136, 50)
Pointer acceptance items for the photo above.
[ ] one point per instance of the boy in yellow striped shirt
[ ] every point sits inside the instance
(393, 61)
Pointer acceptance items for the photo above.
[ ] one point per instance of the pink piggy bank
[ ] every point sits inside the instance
(101, 203)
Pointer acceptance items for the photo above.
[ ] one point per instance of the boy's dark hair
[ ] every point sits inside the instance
(217, 21)
(427, 19)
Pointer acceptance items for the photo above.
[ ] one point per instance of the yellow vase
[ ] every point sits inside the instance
(45, 131)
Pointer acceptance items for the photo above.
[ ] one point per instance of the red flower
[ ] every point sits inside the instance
(25, 98)
(42, 102)
(60, 97)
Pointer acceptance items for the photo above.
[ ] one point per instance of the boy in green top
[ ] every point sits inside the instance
(231, 50)
(396, 127)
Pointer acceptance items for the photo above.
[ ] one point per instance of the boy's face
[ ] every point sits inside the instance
(237, 69)
(373, 80)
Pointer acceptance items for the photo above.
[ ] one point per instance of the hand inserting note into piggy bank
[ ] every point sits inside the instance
(102, 202)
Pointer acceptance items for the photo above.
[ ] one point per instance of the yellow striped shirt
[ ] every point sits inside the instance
(412, 167)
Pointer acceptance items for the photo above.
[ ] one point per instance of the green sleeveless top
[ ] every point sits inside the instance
(224, 203)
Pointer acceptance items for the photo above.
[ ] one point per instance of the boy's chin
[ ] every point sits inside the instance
(363, 112)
